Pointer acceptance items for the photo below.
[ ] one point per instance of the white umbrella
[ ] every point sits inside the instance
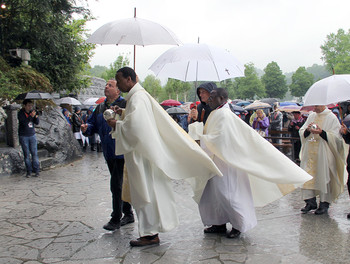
(197, 62)
(91, 101)
(133, 31)
(333, 89)
(68, 100)
(257, 105)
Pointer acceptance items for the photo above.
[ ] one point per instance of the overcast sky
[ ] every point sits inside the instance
(289, 32)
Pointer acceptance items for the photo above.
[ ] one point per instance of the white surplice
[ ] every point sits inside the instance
(324, 160)
(271, 173)
(156, 150)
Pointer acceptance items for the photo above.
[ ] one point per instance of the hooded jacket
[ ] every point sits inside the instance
(203, 108)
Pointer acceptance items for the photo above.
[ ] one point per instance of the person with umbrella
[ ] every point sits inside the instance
(27, 118)
(203, 109)
(323, 157)
(294, 126)
(346, 135)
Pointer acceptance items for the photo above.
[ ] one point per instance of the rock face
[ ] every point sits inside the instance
(55, 135)
(95, 90)
(55, 139)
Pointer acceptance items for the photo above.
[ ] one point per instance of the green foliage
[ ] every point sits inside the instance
(249, 86)
(301, 82)
(318, 71)
(274, 81)
(178, 90)
(120, 62)
(336, 51)
(229, 86)
(97, 71)
(153, 86)
(14, 81)
(54, 39)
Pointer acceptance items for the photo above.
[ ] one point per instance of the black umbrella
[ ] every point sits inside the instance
(237, 108)
(269, 100)
(176, 110)
(34, 95)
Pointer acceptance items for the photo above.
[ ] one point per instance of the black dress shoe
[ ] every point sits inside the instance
(234, 233)
(111, 226)
(215, 229)
(308, 207)
(145, 241)
(348, 216)
(127, 219)
(322, 209)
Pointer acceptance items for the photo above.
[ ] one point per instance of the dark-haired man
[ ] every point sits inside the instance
(249, 164)
(27, 118)
(156, 150)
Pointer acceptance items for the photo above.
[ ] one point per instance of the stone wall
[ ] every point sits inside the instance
(95, 90)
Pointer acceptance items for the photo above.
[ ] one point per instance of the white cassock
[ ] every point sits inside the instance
(255, 172)
(157, 150)
(324, 160)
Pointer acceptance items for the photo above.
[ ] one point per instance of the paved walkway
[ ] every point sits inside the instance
(58, 218)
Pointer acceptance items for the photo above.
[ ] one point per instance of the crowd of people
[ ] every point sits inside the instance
(231, 168)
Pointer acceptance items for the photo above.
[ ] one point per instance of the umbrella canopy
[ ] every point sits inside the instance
(69, 101)
(288, 103)
(237, 108)
(176, 110)
(90, 101)
(346, 120)
(257, 105)
(333, 89)
(100, 100)
(197, 62)
(133, 31)
(243, 103)
(170, 102)
(34, 95)
(290, 108)
(269, 100)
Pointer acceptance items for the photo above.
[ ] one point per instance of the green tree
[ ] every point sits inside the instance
(54, 33)
(336, 51)
(249, 86)
(301, 82)
(97, 71)
(177, 89)
(319, 71)
(229, 86)
(153, 86)
(274, 81)
(120, 62)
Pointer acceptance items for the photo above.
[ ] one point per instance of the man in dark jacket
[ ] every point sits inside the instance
(203, 92)
(27, 118)
(97, 124)
(346, 135)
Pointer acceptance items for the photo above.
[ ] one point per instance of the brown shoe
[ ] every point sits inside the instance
(145, 241)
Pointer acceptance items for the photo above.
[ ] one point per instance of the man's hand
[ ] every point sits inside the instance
(111, 122)
(316, 130)
(343, 129)
(84, 127)
(33, 113)
(117, 109)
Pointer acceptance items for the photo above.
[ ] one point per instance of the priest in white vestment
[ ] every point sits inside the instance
(322, 155)
(255, 172)
(156, 150)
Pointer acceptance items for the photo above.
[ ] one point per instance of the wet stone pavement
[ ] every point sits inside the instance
(58, 218)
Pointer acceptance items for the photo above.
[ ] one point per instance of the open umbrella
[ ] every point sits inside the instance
(290, 108)
(90, 101)
(243, 103)
(269, 100)
(100, 100)
(34, 95)
(69, 101)
(133, 31)
(197, 62)
(176, 110)
(333, 89)
(257, 105)
(237, 108)
(170, 102)
(287, 103)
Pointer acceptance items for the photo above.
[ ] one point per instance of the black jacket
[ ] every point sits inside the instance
(26, 123)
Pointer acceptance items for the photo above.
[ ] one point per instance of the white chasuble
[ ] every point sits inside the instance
(157, 149)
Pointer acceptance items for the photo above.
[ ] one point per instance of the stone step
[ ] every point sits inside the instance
(45, 163)
(43, 153)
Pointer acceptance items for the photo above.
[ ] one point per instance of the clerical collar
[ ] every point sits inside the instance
(220, 106)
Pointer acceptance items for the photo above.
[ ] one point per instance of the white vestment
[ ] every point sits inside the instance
(271, 174)
(156, 150)
(324, 160)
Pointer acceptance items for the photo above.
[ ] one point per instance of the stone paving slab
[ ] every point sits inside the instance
(58, 218)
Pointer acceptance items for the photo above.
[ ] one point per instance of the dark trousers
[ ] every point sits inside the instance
(348, 170)
(116, 168)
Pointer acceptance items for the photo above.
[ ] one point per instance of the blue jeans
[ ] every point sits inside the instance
(29, 146)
